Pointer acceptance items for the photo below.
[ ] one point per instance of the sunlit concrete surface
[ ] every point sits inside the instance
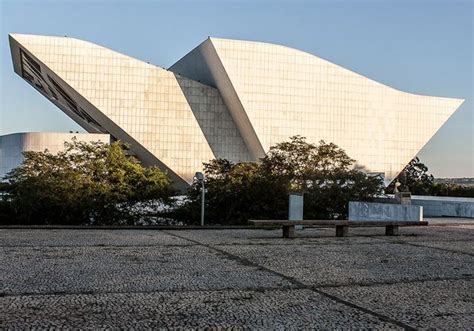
(274, 91)
(237, 278)
(168, 120)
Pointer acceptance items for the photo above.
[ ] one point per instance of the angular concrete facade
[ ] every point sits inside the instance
(274, 92)
(228, 99)
(168, 120)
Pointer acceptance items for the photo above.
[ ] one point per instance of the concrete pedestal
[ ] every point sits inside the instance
(391, 230)
(295, 209)
(342, 230)
(288, 231)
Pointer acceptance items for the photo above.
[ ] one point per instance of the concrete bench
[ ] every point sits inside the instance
(342, 226)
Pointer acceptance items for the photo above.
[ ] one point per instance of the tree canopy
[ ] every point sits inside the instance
(416, 178)
(242, 191)
(91, 183)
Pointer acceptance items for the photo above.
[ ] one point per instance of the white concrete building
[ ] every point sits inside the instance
(228, 99)
(13, 145)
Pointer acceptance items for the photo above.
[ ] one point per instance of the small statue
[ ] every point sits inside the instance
(403, 179)
(396, 185)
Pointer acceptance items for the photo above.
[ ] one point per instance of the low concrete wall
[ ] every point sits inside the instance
(436, 206)
(444, 206)
(373, 211)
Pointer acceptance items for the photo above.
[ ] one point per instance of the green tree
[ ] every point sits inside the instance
(419, 181)
(329, 192)
(235, 193)
(415, 178)
(87, 183)
(243, 191)
(299, 162)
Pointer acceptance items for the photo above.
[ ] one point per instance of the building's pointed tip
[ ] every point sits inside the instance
(19, 35)
(13, 35)
(210, 40)
(455, 104)
(16, 37)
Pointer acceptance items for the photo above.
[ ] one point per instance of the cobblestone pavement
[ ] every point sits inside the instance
(237, 279)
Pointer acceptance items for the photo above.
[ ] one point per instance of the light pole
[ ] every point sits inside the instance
(200, 178)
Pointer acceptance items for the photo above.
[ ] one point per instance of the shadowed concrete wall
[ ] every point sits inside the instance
(445, 206)
(372, 211)
(435, 206)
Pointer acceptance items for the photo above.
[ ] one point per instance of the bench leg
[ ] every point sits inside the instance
(342, 230)
(391, 230)
(288, 231)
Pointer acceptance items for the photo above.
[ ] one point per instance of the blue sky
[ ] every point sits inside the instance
(422, 47)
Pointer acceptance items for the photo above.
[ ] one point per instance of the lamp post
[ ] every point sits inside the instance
(200, 178)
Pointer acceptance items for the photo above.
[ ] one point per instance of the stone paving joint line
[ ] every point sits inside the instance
(299, 284)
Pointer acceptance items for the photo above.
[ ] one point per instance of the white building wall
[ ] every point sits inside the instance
(284, 92)
(258, 94)
(167, 119)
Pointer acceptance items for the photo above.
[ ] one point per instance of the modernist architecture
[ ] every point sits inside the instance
(228, 99)
(13, 145)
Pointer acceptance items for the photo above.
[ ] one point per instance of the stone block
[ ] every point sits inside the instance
(295, 209)
(373, 211)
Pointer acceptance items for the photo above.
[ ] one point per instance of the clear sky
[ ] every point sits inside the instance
(422, 47)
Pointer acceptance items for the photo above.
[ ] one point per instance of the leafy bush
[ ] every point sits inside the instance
(87, 183)
(96, 183)
(243, 191)
(234, 194)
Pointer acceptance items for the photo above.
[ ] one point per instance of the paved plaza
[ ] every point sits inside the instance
(235, 279)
